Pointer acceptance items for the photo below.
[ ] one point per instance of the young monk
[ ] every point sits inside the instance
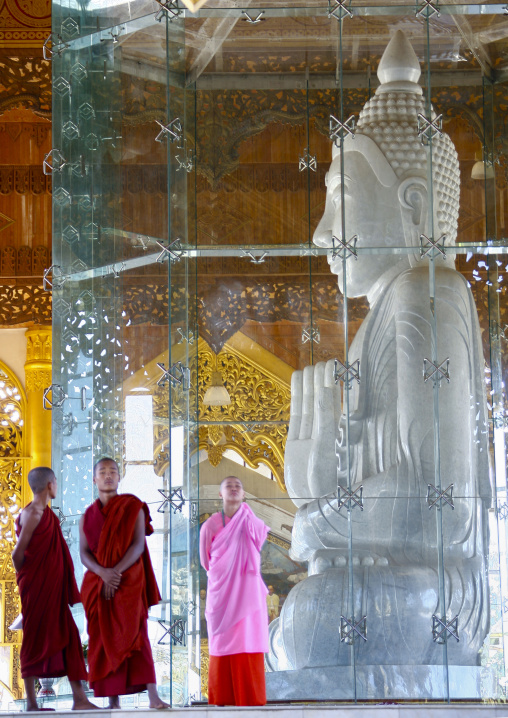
(117, 590)
(51, 645)
(230, 546)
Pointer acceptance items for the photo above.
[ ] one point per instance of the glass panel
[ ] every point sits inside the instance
(214, 216)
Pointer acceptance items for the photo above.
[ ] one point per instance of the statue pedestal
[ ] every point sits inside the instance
(382, 683)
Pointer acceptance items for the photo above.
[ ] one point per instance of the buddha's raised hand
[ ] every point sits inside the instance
(310, 464)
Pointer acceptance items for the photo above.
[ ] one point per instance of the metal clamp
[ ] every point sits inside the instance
(345, 249)
(57, 163)
(57, 45)
(436, 371)
(311, 335)
(338, 10)
(346, 372)
(442, 629)
(339, 130)
(57, 280)
(176, 632)
(58, 396)
(350, 499)
(307, 161)
(176, 505)
(168, 8)
(432, 248)
(172, 131)
(349, 629)
(173, 251)
(434, 495)
(178, 374)
(428, 9)
(253, 20)
(255, 260)
(428, 128)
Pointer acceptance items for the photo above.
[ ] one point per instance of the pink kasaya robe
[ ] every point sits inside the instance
(236, 611)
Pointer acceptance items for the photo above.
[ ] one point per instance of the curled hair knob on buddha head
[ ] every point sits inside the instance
(390, 120)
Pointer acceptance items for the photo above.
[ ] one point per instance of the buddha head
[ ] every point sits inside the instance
(378, 185)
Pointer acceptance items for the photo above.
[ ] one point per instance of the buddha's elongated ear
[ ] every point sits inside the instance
(414, 208)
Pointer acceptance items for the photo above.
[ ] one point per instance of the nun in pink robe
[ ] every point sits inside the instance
(236, 612)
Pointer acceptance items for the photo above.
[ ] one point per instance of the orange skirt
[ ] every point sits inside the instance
(237, 680)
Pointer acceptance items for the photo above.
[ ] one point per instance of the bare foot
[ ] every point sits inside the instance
(114, 702)
(84, 705)
(159, 704)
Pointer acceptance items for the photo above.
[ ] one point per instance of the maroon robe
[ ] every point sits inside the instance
(51, 645)
(119, 653)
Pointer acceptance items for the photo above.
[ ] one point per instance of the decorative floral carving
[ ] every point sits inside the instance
(249, 425)
(24, 304)
(23, 179)
(26, 82)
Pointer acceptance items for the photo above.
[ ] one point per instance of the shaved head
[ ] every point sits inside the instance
(40, 477)
(104, 458)
(230, 477)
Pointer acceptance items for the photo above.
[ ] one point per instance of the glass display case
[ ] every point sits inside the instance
(305, 204)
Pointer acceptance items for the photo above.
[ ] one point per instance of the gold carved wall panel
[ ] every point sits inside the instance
(12, 465)
(254, 424)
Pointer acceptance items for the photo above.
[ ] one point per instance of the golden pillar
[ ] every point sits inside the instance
(38, 378)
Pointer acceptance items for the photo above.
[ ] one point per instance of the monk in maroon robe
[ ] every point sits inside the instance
(51, 645)
(117, 590)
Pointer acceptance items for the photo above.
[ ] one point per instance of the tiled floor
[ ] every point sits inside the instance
(313, 711)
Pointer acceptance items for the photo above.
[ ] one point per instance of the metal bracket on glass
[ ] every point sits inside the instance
(175, 500)
(57, 278)
(434, 495)
(311, 335)
(346, 372)
(190, 607)
(442, 629)
(194, 511)
(339, 9)
(428, 129)
(176, 631)
(187, 336)
(307, 161)
(116, 270)
(58, 396)
(56, 164)
(345, 249)
(187, 161)
(432, 248)
(491, 158)
(59, 513)
(339, 130)
(436, 371)
(350, 499)
(255, 260)
(427, 9)
(57, 46)
(497, 331)
(178, 374)
(169, 8)
(173, 131)
(69, 423)
(349, 630)
(253, 20)
(112, 139)
(173, 251)
(505, 10)
(114, 35)
(502, 510)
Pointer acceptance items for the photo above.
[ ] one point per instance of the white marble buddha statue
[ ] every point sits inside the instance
(394, 435)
